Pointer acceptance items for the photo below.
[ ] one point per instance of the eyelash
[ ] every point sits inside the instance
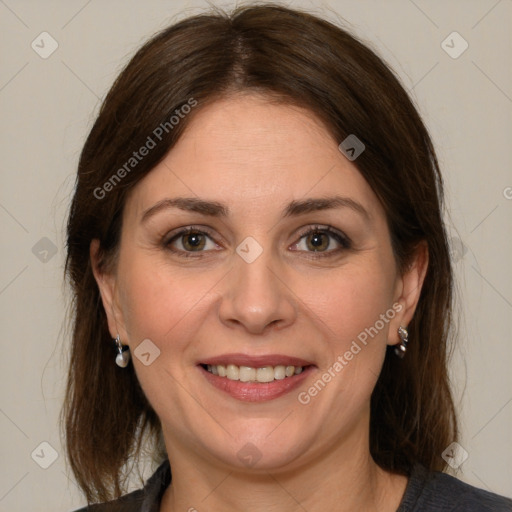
(342, 239)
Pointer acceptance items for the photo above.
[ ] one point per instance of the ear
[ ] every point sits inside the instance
(107, 284)
(408, 291)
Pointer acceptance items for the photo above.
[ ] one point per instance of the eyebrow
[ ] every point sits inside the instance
(294, 208)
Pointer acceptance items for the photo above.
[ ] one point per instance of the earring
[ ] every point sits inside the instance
(123, 357)
(404, 338)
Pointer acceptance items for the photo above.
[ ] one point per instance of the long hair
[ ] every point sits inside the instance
(291, 57)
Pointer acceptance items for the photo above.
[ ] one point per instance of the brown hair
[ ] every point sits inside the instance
(296, 58)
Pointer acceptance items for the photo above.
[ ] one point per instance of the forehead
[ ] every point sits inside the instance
(253, 154)
(247, 126)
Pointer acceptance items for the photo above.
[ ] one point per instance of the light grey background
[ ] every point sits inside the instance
(48, 105)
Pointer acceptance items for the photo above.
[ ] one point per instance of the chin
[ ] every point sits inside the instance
(261, 445)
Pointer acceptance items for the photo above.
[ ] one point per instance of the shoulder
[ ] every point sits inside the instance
(436, 491)
(131, 502)
(142, 500)
(464, 497)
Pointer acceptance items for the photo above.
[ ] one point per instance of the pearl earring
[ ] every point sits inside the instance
(123, 357)
(404, 338)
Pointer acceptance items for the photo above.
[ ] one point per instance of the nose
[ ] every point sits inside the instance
(256, 296)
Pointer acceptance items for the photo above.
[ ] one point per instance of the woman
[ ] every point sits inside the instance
(261, 278)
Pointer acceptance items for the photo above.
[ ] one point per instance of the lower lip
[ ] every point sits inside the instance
(256, 391)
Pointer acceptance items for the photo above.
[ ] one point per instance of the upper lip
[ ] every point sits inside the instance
(255, 361)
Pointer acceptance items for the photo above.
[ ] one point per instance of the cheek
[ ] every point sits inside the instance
(158, 303)
(353, 302)
(353, 308)
(166, 308)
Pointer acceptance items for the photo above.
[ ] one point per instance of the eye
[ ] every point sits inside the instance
(322, 240)
(190, 240)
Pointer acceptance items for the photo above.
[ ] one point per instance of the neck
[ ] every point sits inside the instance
(344, 479)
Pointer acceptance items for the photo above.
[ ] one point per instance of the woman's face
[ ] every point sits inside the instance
(286, 268)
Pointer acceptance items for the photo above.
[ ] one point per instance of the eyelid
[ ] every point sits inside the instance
(175, 233)
(182, 231)
(342, 239)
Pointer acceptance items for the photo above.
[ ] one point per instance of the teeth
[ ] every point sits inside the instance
(265, 374)
(232, 372)
(279, 372)
(249, 374)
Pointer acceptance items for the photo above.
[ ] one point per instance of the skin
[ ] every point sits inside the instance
(255, 157)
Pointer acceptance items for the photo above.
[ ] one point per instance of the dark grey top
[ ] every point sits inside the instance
(427, 491)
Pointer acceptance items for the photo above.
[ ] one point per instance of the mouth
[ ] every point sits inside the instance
(262, 374)
(255, 379)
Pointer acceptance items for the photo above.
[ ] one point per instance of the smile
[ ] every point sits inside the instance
(256, 378)
(262, 374)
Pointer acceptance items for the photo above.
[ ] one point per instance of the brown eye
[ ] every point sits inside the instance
(317, 241)
(322, 241)
(193, 241)
(190, 240)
